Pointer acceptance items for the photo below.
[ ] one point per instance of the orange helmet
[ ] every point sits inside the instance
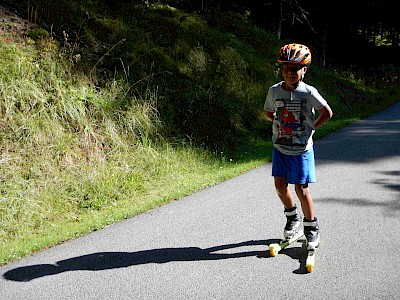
(295, 53)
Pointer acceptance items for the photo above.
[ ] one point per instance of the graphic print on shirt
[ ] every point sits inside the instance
(291, 115)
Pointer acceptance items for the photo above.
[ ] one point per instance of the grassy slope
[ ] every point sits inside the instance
(86, 128)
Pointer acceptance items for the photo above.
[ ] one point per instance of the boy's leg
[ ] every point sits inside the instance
(292, 215)
(306, 201)
(279, 171)
(310, 223)
(283, 191)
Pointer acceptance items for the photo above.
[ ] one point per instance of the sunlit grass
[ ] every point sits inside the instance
(75, 158)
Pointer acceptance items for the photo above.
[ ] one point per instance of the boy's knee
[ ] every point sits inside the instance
(301, 187)
(281, 188)
(281, 183)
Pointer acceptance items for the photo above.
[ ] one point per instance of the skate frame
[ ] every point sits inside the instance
(274, 249)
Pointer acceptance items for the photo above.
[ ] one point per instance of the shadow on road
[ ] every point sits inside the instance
(387, 179)
(112, 260)
(371, 139)
(361, 142)
(390, 207)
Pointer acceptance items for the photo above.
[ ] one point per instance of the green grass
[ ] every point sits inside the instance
(140, 117)
(73, 161)
(79, 200)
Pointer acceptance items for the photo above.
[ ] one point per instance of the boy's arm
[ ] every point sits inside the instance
(270, 115)
(325, 113)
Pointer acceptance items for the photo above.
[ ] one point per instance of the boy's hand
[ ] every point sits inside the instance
(270, 116)
(325, 114)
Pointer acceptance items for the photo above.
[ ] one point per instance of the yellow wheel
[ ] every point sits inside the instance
(274, 249)
(310, 261)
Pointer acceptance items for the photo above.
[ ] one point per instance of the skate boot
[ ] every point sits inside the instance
(311, 232)
(292, 223)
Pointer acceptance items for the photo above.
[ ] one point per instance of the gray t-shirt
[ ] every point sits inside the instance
(293, 126)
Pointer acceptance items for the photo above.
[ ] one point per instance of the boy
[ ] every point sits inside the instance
(291, 106)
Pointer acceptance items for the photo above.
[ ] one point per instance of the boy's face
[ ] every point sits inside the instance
(293, 72)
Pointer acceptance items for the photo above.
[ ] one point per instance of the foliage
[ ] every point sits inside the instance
(196, 68)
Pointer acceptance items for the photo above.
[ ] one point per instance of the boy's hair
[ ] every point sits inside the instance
(295, 53)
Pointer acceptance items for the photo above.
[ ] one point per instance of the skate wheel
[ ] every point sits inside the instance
(274, 249)
(310, 268)
(310, 261)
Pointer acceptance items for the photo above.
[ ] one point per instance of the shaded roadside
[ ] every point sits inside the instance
(370, 139)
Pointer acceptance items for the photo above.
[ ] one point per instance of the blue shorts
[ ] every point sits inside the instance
(298, 169)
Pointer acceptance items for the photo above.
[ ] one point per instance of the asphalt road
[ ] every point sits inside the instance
(214, 243)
